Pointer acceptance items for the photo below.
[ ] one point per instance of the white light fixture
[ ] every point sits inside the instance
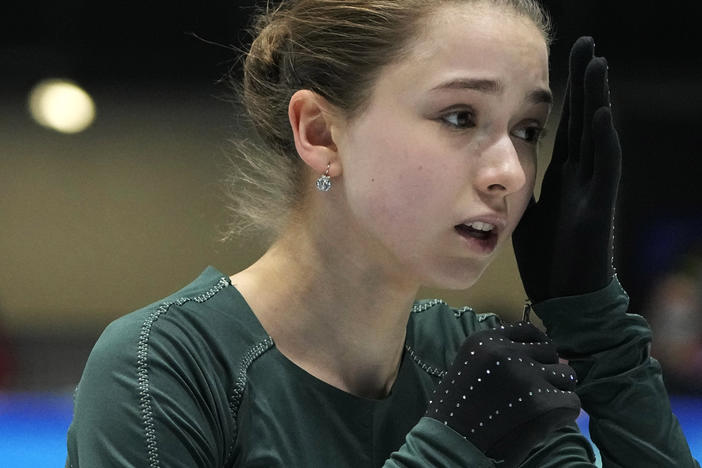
(62, 106)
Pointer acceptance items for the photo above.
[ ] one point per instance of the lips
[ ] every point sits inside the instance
(481, 234)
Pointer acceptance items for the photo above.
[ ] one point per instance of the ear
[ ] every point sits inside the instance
(311, 122)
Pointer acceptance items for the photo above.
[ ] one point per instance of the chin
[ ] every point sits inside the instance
(456, 285)
(456, 277)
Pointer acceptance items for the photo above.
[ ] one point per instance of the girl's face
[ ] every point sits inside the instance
(438, 170)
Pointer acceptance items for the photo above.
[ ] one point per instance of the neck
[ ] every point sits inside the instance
(332, 312)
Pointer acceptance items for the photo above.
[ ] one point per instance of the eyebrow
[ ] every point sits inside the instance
(537, 96)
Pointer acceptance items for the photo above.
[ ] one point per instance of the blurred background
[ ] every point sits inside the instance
(114, 129)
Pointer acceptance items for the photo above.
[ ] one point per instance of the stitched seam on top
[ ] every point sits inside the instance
(253, 353)
(484, 317)
(416, 308)
(435, 371)
(143, 367)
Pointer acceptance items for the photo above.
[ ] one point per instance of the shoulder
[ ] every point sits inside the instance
(436, 330)
(201, 307)
(207, 322)
(167, 371)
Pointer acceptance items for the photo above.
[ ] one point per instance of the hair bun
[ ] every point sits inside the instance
(265, 53)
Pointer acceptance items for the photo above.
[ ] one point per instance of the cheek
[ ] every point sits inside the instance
(392, 164)
(396, 182)
(398, 185)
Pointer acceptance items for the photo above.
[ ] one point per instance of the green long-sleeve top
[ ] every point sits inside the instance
(195, 381)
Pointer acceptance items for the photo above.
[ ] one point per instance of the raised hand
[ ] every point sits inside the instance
(564, 242)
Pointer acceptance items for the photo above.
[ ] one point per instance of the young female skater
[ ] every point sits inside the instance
(405, 133)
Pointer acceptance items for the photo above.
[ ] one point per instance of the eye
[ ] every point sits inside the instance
(530, 134)
(459, 119)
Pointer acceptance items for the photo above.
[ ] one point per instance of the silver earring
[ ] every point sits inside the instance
(324, 182)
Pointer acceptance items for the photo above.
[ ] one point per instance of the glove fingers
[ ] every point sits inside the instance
(535, 345)
(569, 130)
(607, 161)
(561, 376)
(596, 95)
(560, 148)
(514, 448)
(524, 332)
(580, 56)
(495, 391)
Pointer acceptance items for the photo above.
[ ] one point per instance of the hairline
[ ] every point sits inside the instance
(420, 28)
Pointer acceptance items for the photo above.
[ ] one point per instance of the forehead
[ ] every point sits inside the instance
(475, 40)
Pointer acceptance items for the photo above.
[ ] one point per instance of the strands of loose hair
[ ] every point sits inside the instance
(336, 48)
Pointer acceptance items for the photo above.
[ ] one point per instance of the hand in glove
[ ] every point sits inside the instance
(505, 391)
(564, 242)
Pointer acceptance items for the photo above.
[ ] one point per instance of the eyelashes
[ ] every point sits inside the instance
(465, 119)
(531, 134)
(459, 119)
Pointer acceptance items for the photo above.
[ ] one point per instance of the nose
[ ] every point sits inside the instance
(500, 170)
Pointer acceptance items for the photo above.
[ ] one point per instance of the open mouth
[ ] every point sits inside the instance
(480, 235)
(477, 230)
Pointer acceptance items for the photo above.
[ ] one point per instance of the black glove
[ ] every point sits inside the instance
(505, 391)
(564, 242)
